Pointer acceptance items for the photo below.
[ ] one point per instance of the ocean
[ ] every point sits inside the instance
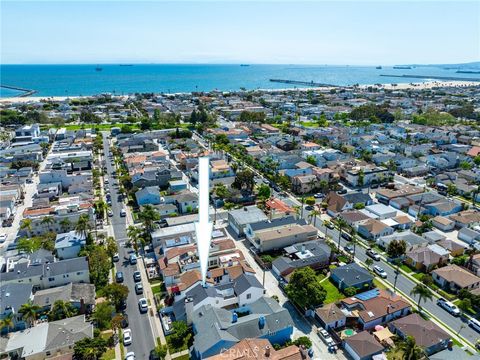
(72, 80)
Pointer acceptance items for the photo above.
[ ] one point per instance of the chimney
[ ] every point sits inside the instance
(267, 351)
(303, 249)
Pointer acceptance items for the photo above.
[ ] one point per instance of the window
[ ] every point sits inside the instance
(249, 296)
(79, 272)
(51, 279)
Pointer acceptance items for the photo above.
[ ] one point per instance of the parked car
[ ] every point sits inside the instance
(346, 236)
(110, 213)
(138, 289)
(123, 213)
(349, 249)
(318, 196)
(342, 192)
(325, 336)
(143, 305)
(106, 181)
(127, 337)
(122, 305)
(380, 272)
(3, 237)
(119, 277)
(330, 225)
(450, 307)
(137, 276)
(153, 355)
(124, 322)
(116, 257)
(132, 259)
(309, 208)
(130, 356)
(373, 254)
(474, 324)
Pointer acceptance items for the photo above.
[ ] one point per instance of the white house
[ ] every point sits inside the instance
(69, 244)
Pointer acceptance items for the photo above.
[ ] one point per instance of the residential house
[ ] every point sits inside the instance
(362, 346)
(455, 278)
(257, 349)
(353, 218)
(453, 247)
(48, 339)
(278, 237)
(351, 275)
(80, 296)
(48, 274)
(216, 329)
(148, 196)
(409, 237)
(238, 219)
(12, 297)
(443, 223)
(365, 175)
(429, 336)
(468, 235)
(176, 186)
(425, 258)
(385, 196)
(376, 307)
(330, 316)
(315, 254)
(186, 202)
(278, 208)
(467, 218)
(476, 264)
(373, 229)
(303, 184)
(381, 211)
(69, 244)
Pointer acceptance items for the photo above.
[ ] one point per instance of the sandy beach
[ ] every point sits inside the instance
(398, 86)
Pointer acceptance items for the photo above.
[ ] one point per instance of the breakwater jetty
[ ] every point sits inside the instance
(25, 92)
(456, 78)
(304, 83)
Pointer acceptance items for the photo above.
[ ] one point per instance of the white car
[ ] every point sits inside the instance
(110, 213)
(123, 213)
(379, 271)
(143, 305)
(127, 337)
(450, 307)
(130, 356)
(3, 237)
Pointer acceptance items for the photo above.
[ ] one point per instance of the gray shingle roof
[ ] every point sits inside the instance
(352, 274)
(12, 296)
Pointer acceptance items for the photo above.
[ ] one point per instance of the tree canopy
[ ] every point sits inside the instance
(304, 288)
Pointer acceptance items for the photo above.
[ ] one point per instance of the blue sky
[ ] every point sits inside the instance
(315, 32)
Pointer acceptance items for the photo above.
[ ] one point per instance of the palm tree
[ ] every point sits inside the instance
(135, 236)
(422, 292)
(313, 215)
(7, 322)
(354, 241)
(26, 225)
(410, 349)
(83, 225)
(325, 223)
(297, 210)
(47, 220)
(148, 216)
(29, 311)
(100, 209)
(65, 224)
(61, 310)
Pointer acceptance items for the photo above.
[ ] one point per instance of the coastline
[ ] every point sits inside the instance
(394, 86)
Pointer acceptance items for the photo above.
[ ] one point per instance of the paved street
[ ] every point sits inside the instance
(143, 340)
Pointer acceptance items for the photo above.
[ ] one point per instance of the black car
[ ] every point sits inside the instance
(342, 192)
(346, 236)
(119, 277)
(137, 276)
(122, 305)
(124, 322)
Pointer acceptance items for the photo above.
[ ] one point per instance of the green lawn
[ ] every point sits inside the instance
(109, 354)
(378, 284)
(333, 295)
(406, 269)
(418, 276)
(309, 124)
(183, 357)
(157, 288)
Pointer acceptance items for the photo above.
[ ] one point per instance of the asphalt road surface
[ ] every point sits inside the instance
(142, 336)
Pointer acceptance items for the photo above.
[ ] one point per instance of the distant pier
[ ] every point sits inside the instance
(433, 77)
(305, 83)
(25, 92)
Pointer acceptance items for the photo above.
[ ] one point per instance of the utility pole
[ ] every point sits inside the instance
(397, 271)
